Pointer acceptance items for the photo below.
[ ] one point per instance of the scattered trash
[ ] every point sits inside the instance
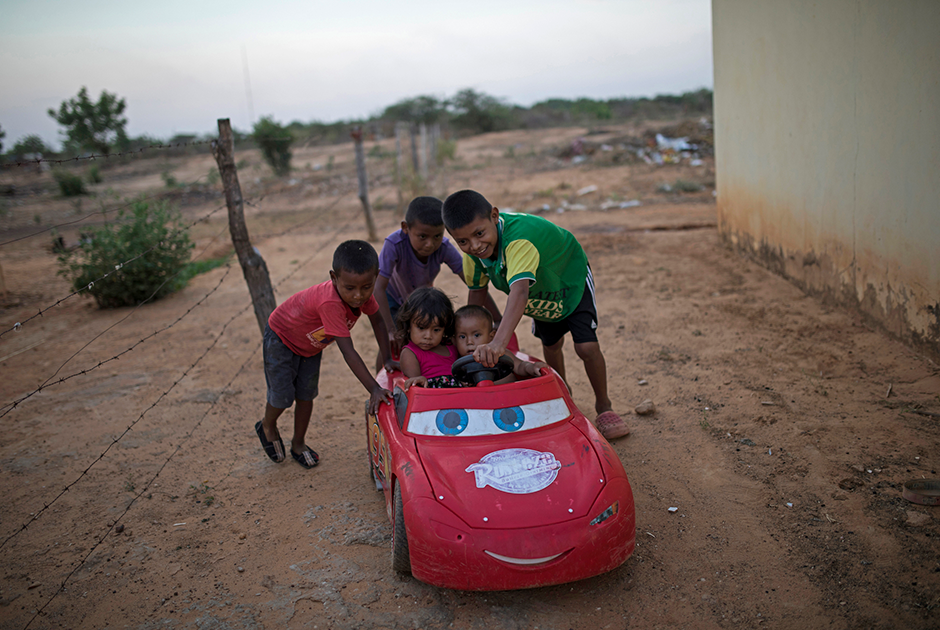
(747, 442)
(673, 509)
(606, 147)
(770, 451)
(888, 393)
(789, 505)
(695, 162)
(33, 585)
(578, 159)
(767, 403)
(674, 144)
(178, 524)
(587, 189)
(610, 203)
(643, 381)
(922, 491)
(577, 207)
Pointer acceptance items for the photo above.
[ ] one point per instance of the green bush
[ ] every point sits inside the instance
(70, 184)
(274, 141)
(94, 174)
(156, 230)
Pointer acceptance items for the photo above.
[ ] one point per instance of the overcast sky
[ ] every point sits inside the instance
(181, 65)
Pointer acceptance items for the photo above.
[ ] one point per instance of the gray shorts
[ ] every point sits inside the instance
(289, 376)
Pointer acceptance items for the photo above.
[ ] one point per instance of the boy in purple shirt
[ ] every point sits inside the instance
(412, 257)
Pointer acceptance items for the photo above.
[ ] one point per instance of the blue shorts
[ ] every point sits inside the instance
(393, 307)
(289, 376)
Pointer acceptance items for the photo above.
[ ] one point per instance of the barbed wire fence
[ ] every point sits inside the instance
(117, 267)
(324, 211)
(101, 211)
(92, 157)
(61, 588)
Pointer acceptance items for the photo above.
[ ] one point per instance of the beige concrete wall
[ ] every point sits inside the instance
(827, 140)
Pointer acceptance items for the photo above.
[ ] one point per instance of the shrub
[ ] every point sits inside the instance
(70, 184)
(94, 174)
(169, 179)
(155, 232)
(274, 141)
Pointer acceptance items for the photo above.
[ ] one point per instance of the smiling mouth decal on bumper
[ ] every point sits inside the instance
(516, 470)
(523, 561)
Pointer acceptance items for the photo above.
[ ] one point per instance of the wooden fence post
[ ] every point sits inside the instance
(399, 173)
(424, 152)
(253, 266)
(413, 129)
(356, 134)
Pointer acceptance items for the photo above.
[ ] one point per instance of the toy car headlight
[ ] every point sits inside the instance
(606, 514)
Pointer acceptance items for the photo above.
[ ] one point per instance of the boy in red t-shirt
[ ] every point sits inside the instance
(297, 332)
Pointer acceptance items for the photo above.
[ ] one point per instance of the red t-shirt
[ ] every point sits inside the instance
(308, 321)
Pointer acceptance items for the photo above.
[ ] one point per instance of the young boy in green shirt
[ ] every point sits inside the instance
(545, 272)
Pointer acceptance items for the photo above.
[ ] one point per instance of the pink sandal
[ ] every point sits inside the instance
(611, 425)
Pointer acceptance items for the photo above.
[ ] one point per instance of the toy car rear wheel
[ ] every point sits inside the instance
(401, 558)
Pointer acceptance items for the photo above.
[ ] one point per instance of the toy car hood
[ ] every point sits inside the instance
(545, 471)
(551, 477)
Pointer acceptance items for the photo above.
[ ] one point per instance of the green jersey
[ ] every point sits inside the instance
(533, 248)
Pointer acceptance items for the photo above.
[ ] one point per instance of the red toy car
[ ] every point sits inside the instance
(498, 487)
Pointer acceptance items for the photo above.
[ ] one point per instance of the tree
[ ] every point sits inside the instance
(274, 141)
(426, 109)
(3, 134)
(480, 113)
(96, 127)
(30, 144)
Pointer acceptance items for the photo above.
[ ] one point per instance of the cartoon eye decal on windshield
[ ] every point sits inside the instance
(509, 419)
(476, 422)
(452, 421)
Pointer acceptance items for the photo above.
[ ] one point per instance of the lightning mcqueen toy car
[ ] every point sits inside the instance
(498, 487)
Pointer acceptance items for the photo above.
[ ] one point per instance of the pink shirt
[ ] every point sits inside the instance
(432, 364)
(308, 321)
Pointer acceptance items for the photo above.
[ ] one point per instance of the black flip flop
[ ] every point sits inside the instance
(275, 449)
(308, 458)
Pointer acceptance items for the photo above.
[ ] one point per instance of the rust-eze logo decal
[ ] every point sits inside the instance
(516, 470)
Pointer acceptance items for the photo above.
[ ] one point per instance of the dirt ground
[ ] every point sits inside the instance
(784, 427)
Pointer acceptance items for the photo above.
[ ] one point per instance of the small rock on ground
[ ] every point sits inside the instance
(645, 408)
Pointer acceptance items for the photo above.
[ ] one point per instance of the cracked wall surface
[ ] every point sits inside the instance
(827, 116)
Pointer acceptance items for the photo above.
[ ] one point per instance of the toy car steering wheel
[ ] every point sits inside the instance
(468, 371)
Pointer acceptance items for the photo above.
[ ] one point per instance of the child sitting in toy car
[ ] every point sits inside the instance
(474, 327)
(425, 328)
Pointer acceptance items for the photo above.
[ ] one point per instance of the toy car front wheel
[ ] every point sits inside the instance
(401, 558)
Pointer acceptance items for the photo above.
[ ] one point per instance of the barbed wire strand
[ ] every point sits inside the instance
(145, 488)
(46, 384)
(102, 210)
(116, 440)
(117, 268)
(106, 156)
(179, 446)
(84, 473)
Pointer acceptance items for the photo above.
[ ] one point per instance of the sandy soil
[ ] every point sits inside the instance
(783, 430)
